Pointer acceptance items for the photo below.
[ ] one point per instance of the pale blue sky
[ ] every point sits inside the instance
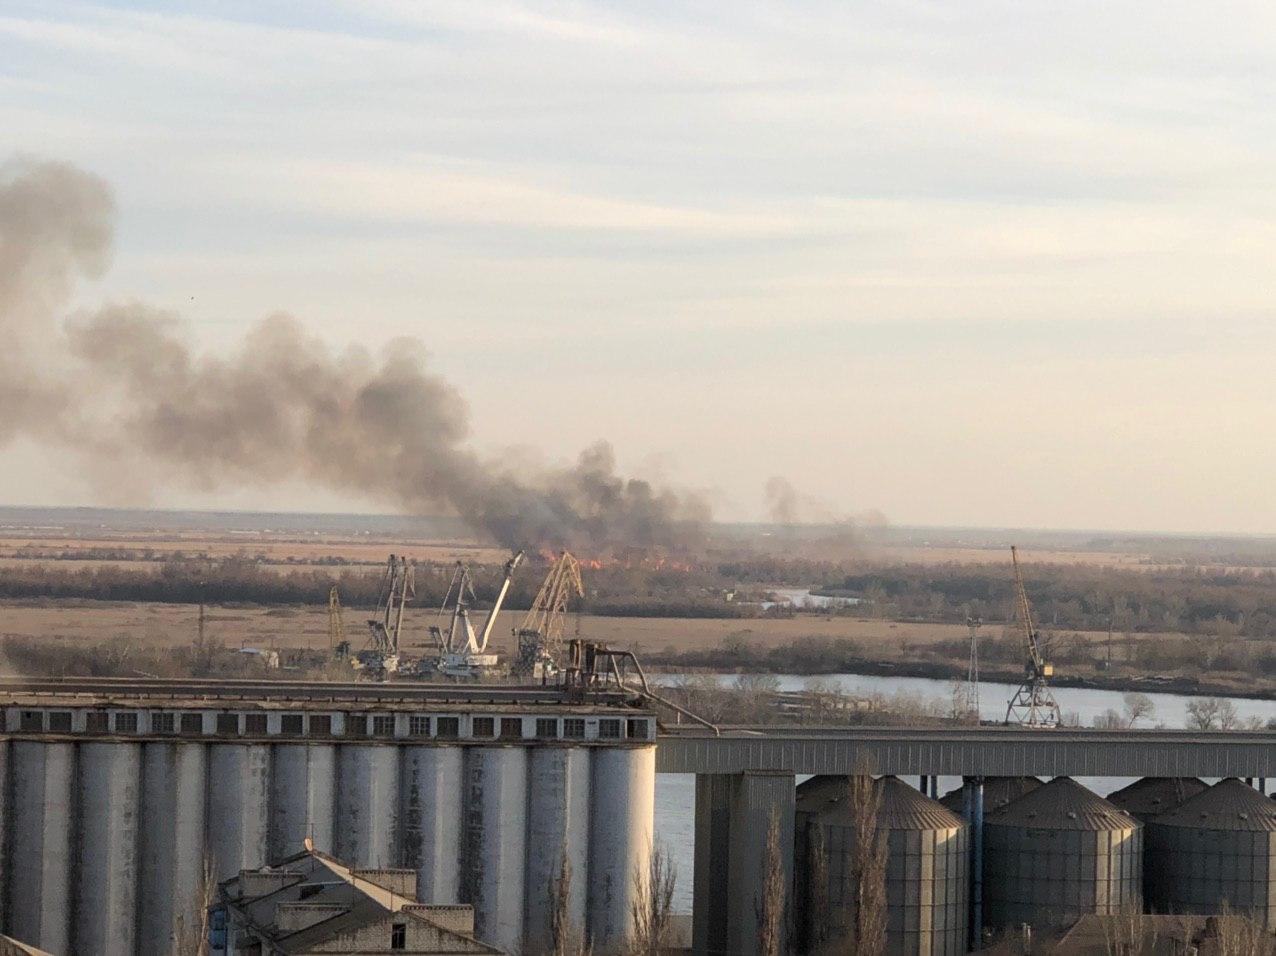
(965, 263)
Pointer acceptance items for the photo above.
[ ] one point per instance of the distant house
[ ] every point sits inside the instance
(313, 904)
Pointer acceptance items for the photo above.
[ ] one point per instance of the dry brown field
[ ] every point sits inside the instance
(170, 625)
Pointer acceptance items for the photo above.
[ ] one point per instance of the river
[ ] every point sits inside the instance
(676, 793)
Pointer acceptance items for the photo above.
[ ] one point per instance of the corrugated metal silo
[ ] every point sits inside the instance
(1216, 847)
(1152, 796)
(1058, 853)
(998, 791)
(927, 867)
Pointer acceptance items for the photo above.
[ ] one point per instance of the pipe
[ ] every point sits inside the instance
(510, 565)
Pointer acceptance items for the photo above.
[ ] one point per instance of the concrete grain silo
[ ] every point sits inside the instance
(1056, 854)
(927, 867)
(1217, 847)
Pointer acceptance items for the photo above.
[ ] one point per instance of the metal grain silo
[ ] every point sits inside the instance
(1215, 848)
(927, 867)
(1152, 796)
(1058, 853)
(998, 791)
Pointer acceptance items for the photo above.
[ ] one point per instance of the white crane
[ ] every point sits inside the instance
(461, 652)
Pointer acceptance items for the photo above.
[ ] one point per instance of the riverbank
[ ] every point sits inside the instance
(1228, 685)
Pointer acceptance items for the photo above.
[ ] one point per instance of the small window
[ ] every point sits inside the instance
(192, 723)
(574, 728)
(228, 724)
(290, 725)
(637, 729)
(126, 723)
(383, 725)
(419, 725)
(484, 727)
(546, 728)
(31, 720)
(162, 723)
(321, 725)
(511, 728)
(447, 728)
(609, 729)
(255, 725)
(399, 936)
(60, 721)
(356, 725)
(95, 721)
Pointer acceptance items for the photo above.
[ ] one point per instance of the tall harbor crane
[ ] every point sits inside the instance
(1033, 704)
(461, 653)
(338, 646)
(398, 586)
(540, 636)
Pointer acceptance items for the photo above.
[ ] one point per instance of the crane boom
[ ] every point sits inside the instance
(540, 636)
(1033, 704)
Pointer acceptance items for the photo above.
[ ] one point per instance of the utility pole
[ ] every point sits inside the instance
(972, 674)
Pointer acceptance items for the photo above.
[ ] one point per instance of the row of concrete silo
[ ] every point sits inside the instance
(106, 845)
(1050, 854)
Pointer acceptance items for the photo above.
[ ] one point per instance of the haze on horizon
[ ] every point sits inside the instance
(965, 265)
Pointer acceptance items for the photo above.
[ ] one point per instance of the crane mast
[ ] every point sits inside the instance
(539, 638)
(398, 586)
(1033, 704)
(462, 653)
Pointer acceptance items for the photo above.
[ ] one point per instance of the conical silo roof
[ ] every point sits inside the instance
(1228, 805)
(901, 808)
(1152, 796)
(1062, 804)
(818, 793)
(998, 791)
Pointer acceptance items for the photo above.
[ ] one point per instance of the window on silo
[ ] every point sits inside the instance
(228, 724)
(321, 725)
(96, 721)
(383, 725)
(356, 725)
(192, 723)
(290, 725)
(447, 728)
(546, 728)
(511, 728)
(126, 723)
(60, 721)
(31, 720)
(483, 727)
(255, 724)
(162, 723)
(609, 729)
(637, 728)
(574, 728)
(419, 725)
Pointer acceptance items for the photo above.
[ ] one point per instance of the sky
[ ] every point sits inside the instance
(962, 264)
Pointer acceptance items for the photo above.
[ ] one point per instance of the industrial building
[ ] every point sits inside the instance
(122, 799)
(311, 903)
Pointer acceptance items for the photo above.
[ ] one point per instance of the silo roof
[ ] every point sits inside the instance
(1153, 796)
(1062, 804)
(1228, 805)
(818, 793)
(998, 791)
(901, 808)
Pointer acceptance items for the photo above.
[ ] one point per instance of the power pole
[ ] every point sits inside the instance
(972, 674)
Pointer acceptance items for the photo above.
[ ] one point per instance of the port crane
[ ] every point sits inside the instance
(461, 652)
(1033, 704)
(398, 586)
(338, 646)
(539, 638)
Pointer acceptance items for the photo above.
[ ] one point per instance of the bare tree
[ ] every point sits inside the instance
(1212, 713)
(565, 938)
(769, 906)
(191, 939)
(1128, 932)
(653, 904)
(1137, 707)
(1241, 934)
(820, 923)
(865, 921)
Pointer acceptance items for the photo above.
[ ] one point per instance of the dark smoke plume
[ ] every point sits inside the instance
(121, 387)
